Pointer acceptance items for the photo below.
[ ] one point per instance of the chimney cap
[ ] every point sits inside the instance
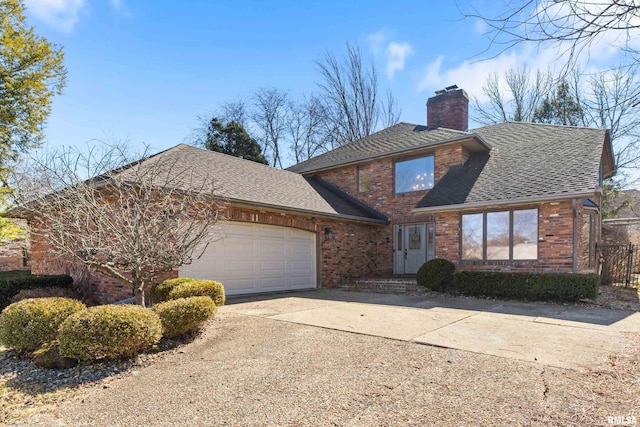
(446, 89)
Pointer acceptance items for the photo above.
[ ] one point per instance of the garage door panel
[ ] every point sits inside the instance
(272, 249)
(239, 231)
(252, 258)
(271, 266)
(272, 232)
(301, 249)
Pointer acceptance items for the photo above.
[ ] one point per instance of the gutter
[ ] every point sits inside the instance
(521, 201)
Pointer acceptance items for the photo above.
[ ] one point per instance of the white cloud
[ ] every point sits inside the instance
(60, 14)
(377, 40)
(397, 54)
(117, 4)
(480, 26)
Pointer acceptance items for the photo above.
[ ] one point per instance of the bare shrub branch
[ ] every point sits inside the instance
(129, 220)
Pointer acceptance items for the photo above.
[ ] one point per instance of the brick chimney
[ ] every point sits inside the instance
(449, 109)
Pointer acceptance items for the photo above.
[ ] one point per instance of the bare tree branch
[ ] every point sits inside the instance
(571, 25)
(130, 220)
(349, 90)
(270, 116)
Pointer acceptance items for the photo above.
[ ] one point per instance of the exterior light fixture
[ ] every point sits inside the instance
(328, 234)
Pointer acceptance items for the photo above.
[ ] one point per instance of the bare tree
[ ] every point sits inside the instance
(132, 221)
(572, 25)
(270, 116)
(306, 128)
(349, 89)
(236, 110)
(514, 97)
(612, 104)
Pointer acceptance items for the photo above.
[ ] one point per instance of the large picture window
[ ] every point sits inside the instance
(414, 174)
(502, 235)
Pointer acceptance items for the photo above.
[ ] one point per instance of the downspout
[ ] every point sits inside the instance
(575, 235)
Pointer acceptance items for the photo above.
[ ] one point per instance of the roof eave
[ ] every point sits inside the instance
(496, 203)
(277, 208)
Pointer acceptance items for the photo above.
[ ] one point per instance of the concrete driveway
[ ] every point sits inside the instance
(558, 335)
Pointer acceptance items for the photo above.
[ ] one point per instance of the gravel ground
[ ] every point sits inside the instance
(254, 371)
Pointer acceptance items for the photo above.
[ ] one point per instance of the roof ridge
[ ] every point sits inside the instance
(522, 123)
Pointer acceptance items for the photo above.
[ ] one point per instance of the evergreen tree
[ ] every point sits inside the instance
(232, 139)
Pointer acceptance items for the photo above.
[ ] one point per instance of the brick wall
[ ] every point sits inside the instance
(449, 110)
(381, 196)
(355, 250)
(555, 241)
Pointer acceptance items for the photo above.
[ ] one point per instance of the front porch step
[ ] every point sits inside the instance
(383, 284)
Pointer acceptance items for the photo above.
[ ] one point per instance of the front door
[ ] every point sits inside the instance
(414, 244)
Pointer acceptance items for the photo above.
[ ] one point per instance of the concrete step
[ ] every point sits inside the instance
(383, 284)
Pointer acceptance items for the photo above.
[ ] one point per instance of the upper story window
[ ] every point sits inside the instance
(364, 179)
(414, 175)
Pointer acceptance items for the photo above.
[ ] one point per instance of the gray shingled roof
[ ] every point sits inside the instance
(527, 161)
(399, 137)
(243, 181)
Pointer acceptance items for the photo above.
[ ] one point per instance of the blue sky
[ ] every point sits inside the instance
(144, 71)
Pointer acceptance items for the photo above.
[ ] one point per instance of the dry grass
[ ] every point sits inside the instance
(588, 398)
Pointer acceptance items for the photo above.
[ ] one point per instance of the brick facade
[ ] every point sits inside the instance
(555, 221)
(449, 110)
(354, 250)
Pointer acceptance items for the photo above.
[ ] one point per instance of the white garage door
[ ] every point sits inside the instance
(251, 258)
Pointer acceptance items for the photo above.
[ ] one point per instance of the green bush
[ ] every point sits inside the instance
(160, 291)
(436, 274)
(182, 316)
(47, 292)
(529, 286)
(109, 332)
(30, 323)
(12, 282)
(209, 288)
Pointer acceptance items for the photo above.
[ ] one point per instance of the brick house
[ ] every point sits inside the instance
(510, 196)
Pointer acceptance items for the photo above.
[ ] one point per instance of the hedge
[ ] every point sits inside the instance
(109, 332)
(160, 292)
(184, 315)
(529, 286)
(436, 274)
(13, 282)
(30, 323)
(209, 288)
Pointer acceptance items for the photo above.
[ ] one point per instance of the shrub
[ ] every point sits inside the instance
(109, 332)
(530, 286)
(30, 323)
(436, 274)
(160, 291)
(209, 288)
(49, 292)
(184, 315)
(12, 282)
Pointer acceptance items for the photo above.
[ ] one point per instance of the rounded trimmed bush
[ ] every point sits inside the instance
(109, 332)
(28, 324)
(436, 274)
(160, 291)
(209, 288)
(184, 315)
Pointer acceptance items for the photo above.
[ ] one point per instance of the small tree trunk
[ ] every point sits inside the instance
(138, 292)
